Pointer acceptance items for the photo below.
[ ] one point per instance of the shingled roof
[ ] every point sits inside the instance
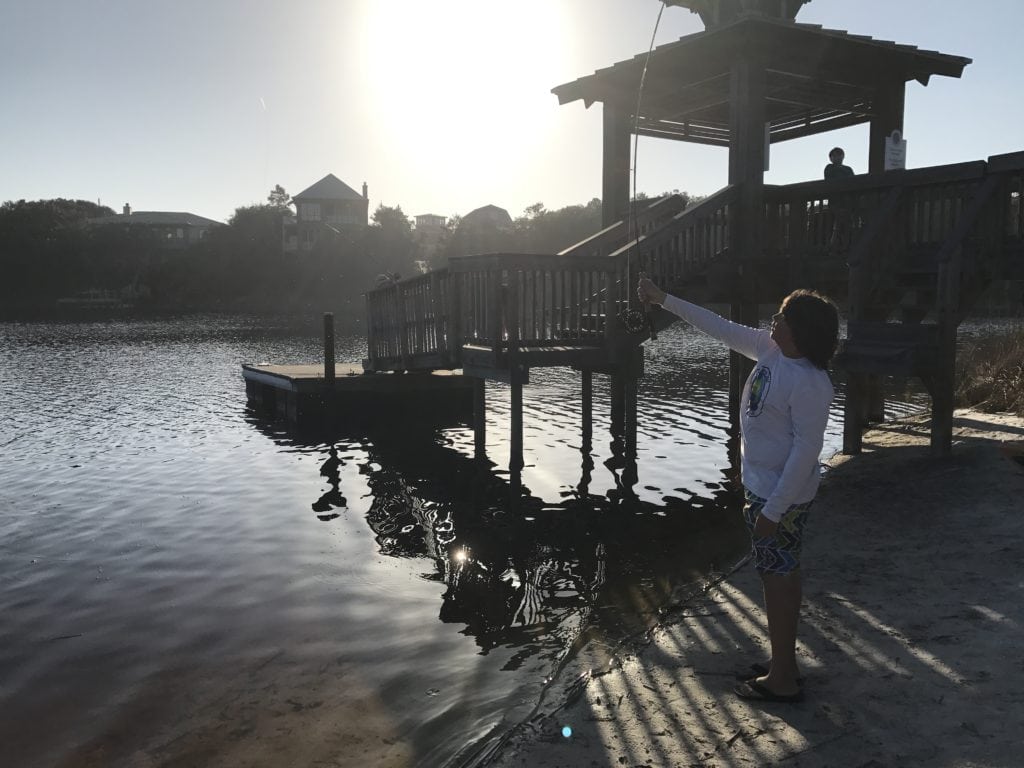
(157, 219)
(330, 187)
(817, 79)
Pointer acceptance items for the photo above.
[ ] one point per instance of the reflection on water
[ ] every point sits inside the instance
(184, 583)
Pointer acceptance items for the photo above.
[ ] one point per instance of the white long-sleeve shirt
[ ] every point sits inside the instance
(783, 414)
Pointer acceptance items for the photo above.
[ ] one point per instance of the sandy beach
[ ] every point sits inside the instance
(911, 633)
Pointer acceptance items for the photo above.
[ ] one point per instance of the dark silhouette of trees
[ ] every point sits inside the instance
(279, 199)
(539, 230)
(57, 248)
(389, 242)
(45, 250)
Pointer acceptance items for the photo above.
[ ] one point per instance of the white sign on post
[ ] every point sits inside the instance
(895, 152)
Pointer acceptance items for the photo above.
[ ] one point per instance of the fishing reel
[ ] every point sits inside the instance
(637, 321)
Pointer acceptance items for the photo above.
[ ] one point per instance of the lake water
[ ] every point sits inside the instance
(182, 583)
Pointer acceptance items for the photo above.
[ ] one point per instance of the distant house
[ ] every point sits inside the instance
(487, 216)
(429, 222)
(168, 230)
(427, 234)
(487, 229)
(325, 208)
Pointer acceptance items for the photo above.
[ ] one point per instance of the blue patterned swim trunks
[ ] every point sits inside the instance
(779, 553)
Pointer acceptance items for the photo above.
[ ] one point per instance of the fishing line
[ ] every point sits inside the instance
(635, 320)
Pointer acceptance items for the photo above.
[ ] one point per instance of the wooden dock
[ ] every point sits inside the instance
(306, 396)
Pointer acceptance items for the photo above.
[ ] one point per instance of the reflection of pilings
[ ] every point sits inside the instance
(333, 497)
(585, 472)
(618, 405)
(587, 444)
(479, 418)
(587, 406)
(515, 493)
(630, 392)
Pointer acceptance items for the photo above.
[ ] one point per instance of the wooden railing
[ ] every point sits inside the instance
(538, 300)
(802, 218)
(409, 323)
(1012, 165)
(686, 245)
(649, 217)
(805, 219)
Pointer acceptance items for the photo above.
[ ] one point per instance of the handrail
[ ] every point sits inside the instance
(650, 217)
(940, 174)
(688, 243)
(555, 300)
(411, 318)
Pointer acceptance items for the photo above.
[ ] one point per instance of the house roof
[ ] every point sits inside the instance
(817, 79)
(158, 218)
(487, 213)
(330, 187)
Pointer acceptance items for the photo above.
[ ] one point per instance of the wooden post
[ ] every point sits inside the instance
(874, 405)
(739, 366)
(943, 384)
(747, 116)
(747, 155)
(510, 299)
(888, 117)
(515, 459)
(456, 284)
(329, 347)
(852, 410)
(479, 418)
(615, 174)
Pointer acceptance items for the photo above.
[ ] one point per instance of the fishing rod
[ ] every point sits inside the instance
(635, 320)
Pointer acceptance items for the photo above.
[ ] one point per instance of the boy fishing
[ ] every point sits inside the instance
(784, 410)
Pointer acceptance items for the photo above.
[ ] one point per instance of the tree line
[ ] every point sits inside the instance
(52, 249)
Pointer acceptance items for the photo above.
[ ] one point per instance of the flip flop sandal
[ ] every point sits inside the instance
(756, 670)
(752, 690)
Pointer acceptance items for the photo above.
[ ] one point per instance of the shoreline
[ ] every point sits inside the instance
(910, 632)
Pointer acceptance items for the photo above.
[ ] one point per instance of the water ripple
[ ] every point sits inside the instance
(166, 555)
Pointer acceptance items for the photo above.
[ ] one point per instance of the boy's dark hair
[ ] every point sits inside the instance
(814, 322)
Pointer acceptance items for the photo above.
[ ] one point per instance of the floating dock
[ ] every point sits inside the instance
(307, 395)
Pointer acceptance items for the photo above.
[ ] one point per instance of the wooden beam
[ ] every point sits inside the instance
(889, 103)
(615, 173)
(747, 152)
(821, 126)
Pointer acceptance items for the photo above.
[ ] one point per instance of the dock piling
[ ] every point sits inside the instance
(329, 347)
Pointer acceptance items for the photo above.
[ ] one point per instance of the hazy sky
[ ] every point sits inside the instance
(440, 107)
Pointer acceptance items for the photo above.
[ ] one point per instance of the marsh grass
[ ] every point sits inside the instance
(990, 374)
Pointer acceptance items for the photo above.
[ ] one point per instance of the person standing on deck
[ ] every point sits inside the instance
(842, 222)
(785, 408)
(835, 168)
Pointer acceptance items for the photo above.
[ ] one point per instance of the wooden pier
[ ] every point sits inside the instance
(918, 248)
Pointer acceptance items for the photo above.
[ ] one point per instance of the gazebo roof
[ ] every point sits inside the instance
(816, 79)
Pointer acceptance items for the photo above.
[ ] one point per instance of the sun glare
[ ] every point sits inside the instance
(462, 81)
